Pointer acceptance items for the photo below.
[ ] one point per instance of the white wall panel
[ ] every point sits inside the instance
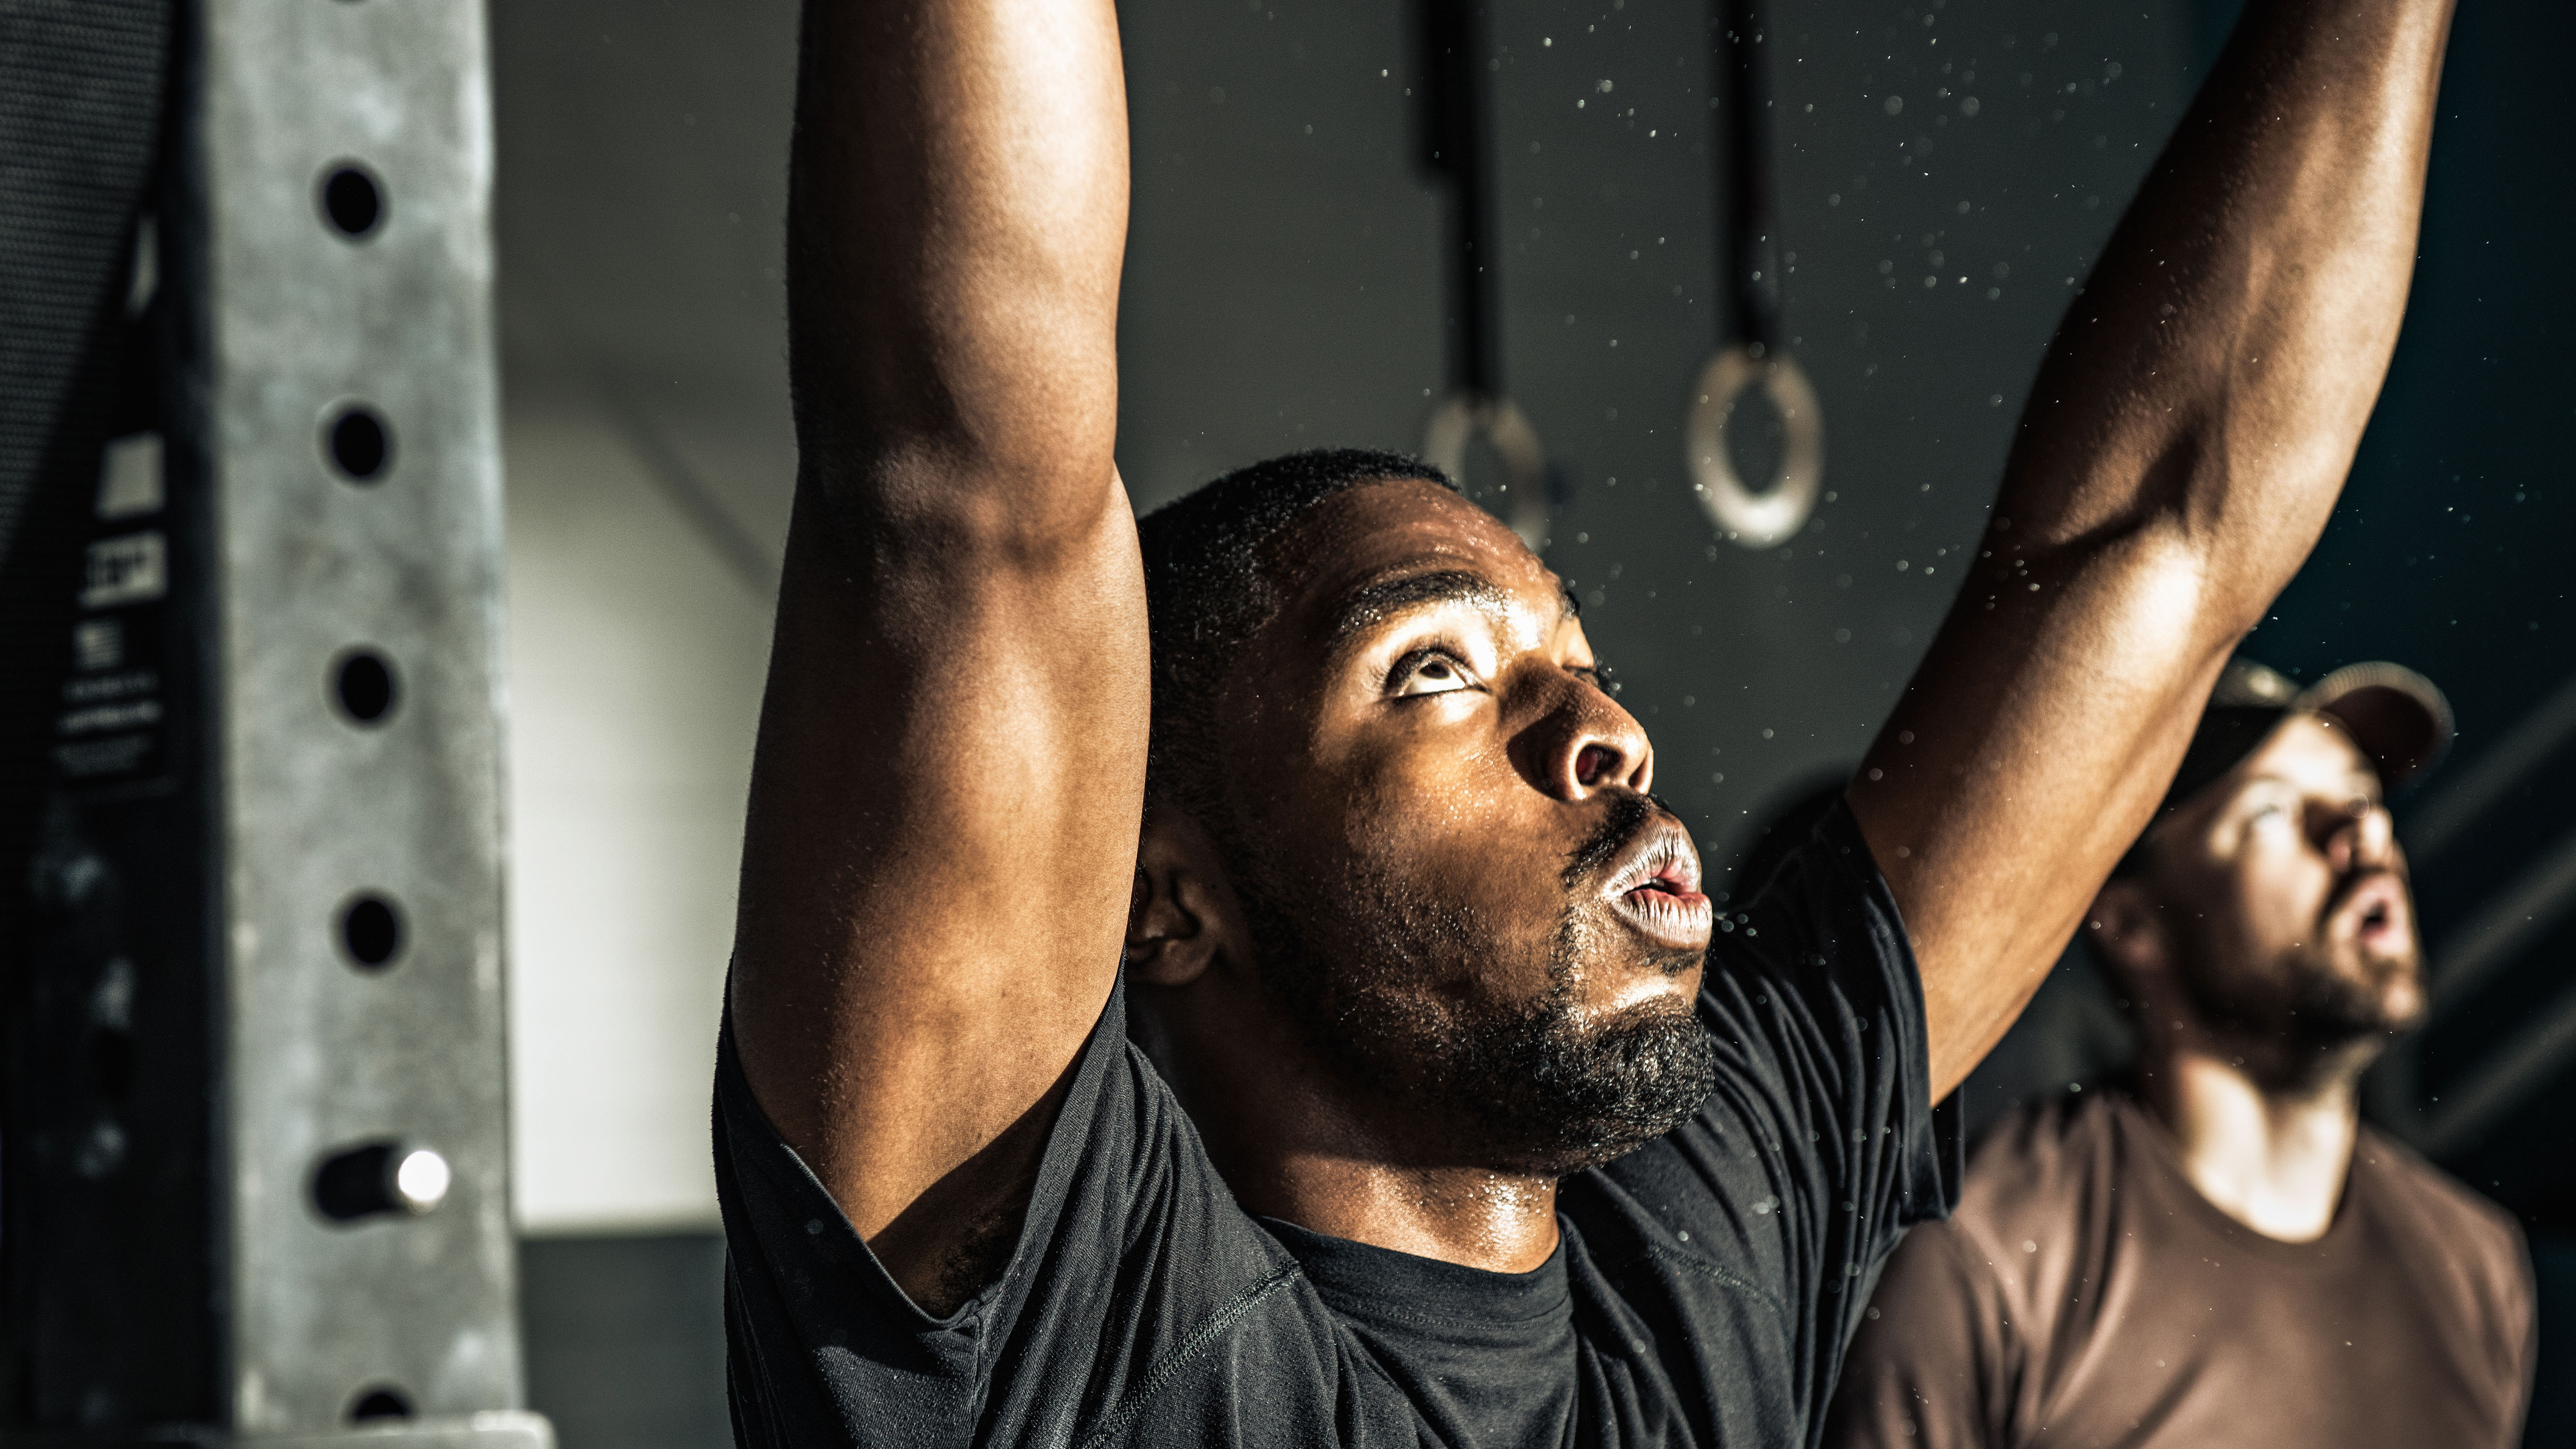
(636, 653)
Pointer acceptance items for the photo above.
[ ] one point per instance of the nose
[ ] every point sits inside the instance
(2361, 836)
(1596, 746)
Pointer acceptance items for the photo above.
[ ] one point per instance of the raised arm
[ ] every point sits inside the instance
(945, 800)
(2180, 453)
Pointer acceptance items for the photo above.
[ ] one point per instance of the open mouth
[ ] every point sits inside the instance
(2377, 910)
(1656, 889)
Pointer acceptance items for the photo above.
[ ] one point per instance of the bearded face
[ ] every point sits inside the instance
(2280, 899)
(1453, 877)
(1544, 1083)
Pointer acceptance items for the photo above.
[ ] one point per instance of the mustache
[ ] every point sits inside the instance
(2351, 885)
(1630, 815)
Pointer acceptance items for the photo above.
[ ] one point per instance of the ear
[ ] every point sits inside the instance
(2124, 926)
(1181, 912)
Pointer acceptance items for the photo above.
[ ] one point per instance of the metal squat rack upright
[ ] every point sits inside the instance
(256, 1178)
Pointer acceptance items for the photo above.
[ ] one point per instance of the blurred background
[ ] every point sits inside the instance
(1946, 173)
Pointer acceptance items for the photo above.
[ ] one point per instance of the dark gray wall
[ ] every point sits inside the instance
(625, 1339)
(2450, 548)
(1282, 292)
(643, 190)
(1282, 287)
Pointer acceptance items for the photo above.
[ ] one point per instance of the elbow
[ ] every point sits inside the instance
(2224, 532)
(1020, 511)
(1011, 463)
(2204, 581)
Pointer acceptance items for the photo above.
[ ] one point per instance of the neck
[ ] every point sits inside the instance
(1469, 1216)
(2273, 1159)
(1294, 1140)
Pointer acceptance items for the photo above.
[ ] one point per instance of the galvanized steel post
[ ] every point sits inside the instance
(264, 1193)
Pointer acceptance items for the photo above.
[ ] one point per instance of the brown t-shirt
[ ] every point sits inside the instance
(2085, 1294)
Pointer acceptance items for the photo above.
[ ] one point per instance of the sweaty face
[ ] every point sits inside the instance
(1453, 873)
(2287, 896)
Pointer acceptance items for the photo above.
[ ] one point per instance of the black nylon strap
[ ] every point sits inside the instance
(81, 83)
(81, 99)
(82, 102)
(1748, 250)
(1456, 134)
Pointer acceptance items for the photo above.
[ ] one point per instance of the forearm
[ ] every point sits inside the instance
(2214, 376)
(957, 213)
(2183, 445)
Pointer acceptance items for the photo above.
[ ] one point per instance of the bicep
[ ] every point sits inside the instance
(2029, 750)
(942, 832)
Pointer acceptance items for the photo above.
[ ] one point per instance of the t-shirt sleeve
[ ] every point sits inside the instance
(1922, 1369)
(1816, 1006)
(1129, 1246)
(1819, 1145)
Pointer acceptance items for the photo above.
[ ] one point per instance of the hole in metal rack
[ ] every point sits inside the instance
(381, 1402)
(359, 443)
(380, 1179)
(112, 1063)
(351, 200)
(364, 685)
(355, 1183)
(371, 931)
(113, 1057)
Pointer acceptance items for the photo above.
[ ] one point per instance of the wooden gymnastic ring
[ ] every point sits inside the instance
(1756, 520)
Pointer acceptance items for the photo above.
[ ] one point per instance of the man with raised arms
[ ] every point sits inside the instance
(1236, 986)
(2212, 1248)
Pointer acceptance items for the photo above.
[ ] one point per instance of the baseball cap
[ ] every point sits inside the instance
(2395, 715)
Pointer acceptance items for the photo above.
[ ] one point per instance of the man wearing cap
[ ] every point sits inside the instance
(2219, 1251)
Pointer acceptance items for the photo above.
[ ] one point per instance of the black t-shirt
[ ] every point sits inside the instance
(1702, 1293)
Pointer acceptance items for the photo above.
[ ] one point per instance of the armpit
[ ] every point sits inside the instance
(971, 1262)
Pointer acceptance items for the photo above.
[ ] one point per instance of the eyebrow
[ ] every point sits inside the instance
(2371, 791)
(1370, 605)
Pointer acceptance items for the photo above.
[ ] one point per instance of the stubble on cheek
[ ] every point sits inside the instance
(1473, 980)
(1384, 970)
(2382, 988)
(2386, 987)
(1463, 925)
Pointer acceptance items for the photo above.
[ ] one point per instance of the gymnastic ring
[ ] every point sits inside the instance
(1458, 419)
(1756, 520)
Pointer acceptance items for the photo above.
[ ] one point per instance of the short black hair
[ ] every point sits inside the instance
(1205, 595)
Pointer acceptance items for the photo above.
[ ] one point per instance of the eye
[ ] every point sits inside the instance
(1428, 671)
(1596, 675)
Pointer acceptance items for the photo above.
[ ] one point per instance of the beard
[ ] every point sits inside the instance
(2312, 1007)
(1541, 1087)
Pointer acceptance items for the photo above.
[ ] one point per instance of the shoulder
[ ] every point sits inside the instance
(2404, 1182)
(2037, 1165)
(1814, 860)
(2034, 1200)
(2445, 1218)
(2029, 1181)
(1812, 908)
